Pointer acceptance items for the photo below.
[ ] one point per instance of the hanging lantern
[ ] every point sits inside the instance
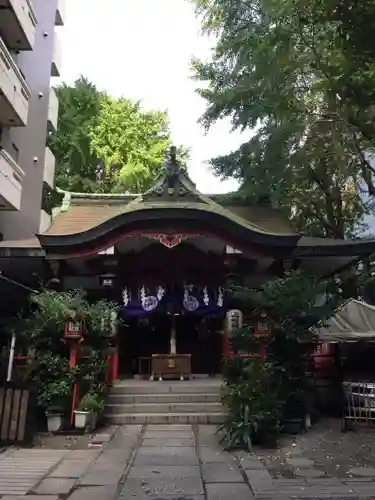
(262, 325)
(234, 320)
(109, 324)
(73, 327)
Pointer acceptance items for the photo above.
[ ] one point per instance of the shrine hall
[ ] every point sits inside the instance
(168, 257)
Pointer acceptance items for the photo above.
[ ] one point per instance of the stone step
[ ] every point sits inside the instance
(164, 418)
(152, 408)
(164, 387)
(163, 398)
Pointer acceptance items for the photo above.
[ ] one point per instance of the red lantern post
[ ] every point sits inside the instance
(234, 321)
(262, 330)
(73, 336)
(115, 364)
(113, 357)
(114, 333)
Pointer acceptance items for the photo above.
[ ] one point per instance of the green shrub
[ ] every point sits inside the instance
(253, 404)
(91, 402)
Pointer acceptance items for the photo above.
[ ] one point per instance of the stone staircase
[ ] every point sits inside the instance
(186, 402)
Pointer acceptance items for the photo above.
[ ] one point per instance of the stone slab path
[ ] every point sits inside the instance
(174, 462)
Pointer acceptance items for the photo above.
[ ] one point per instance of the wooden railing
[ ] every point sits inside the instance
(17, 414)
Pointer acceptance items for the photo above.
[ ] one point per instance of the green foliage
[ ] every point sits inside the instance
(43, 326)
(53, 380)
(107, 145)
(301, 76)
(57, 307)
(100, 318)
(91, 371)
(253, 401)
(259, 395)
(131, 144)
(79, 108)
(42, 330)
(91, 402)
(291, 302)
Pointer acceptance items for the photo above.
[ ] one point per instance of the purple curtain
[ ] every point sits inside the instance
(189, 299)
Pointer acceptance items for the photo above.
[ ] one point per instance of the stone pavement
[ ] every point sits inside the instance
(174, 462)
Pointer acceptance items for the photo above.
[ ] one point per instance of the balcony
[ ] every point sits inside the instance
(56, 57)
(17, 24)
(11, 176)
(49, 167)
(60, 13)
(14, 92)
(53, 111)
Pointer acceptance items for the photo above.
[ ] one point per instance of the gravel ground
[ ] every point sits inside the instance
(62, 442)
(332, 451)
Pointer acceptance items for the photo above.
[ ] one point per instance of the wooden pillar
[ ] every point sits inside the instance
(72, 363)
(225, 350)
(73, 343)
(263, 353)
(109, 374)
(115, 363)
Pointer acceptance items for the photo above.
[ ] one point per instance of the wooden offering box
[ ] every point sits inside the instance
(163, 365)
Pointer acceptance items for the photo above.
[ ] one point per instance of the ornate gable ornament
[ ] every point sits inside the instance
(170, 182)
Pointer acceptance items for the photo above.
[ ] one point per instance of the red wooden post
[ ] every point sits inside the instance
(263, 352)
(108, 375)
(225, 345)
(72, 354)
(73, 337)
(262, 330)
(113, 343)
(115, 363)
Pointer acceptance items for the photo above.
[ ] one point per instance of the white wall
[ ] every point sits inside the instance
(31, 140)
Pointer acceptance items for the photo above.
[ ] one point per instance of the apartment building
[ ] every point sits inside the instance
(30, 55)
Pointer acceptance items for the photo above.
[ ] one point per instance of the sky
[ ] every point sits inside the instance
(141, 50)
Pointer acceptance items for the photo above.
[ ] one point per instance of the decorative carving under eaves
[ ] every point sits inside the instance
(170, 240)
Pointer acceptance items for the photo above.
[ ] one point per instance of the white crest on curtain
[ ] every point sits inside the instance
(206, 298)
(160, 293)
(220, 297)
(148, 302)
(190, 302)
(125, 296)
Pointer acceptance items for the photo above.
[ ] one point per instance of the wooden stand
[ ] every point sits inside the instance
(170, 364)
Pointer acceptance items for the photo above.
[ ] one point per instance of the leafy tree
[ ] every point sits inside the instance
(301, 74)
(131, 144)
(106, 145)
(259, 393)
(79, 107)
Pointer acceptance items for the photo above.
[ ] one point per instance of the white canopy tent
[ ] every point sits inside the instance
(354, 321)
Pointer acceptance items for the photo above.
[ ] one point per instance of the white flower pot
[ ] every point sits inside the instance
(82, 419)
(54, 422)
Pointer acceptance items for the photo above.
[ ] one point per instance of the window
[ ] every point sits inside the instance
(14, 153)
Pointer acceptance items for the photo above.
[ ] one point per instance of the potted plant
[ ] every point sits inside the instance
(88, 409)
(83, 414)
(97, 408)
(53, 398)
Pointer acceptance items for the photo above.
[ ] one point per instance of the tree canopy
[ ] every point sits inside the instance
(302, 76)
(104, 144)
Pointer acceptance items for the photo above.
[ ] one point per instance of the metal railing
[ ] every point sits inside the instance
(359, 402)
